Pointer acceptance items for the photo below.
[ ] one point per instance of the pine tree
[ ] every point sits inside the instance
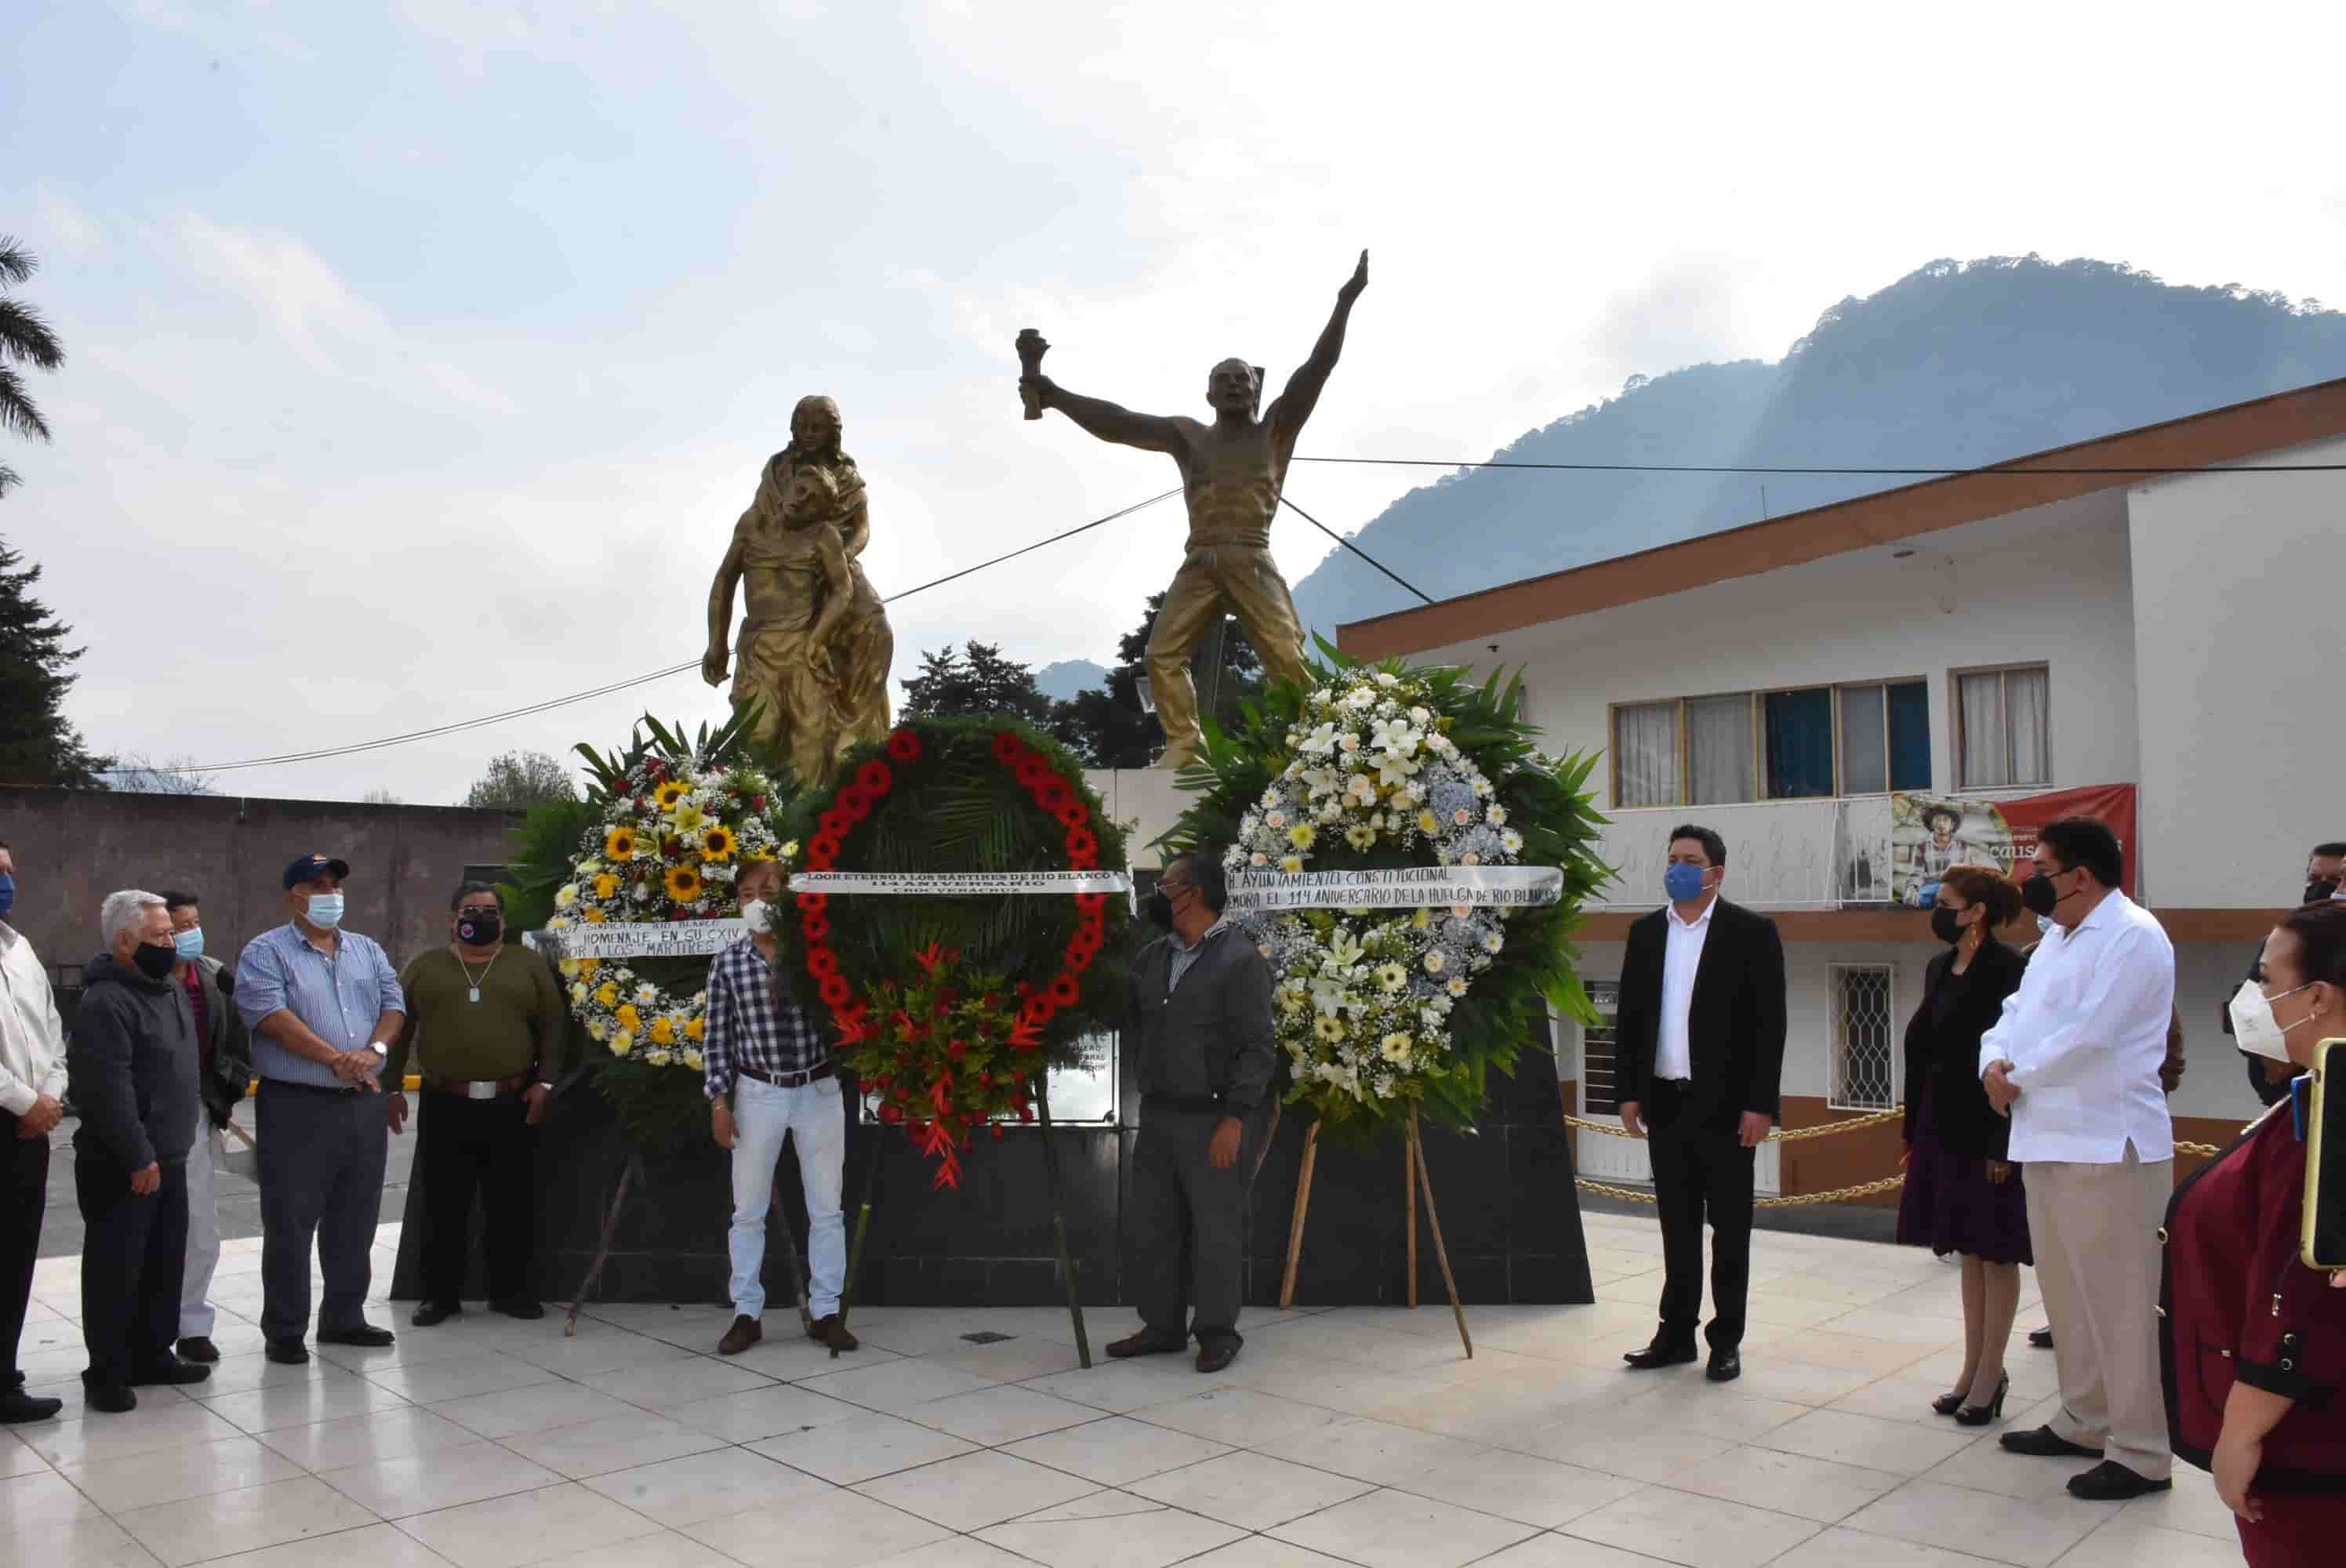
(37, 746)
(976, 680)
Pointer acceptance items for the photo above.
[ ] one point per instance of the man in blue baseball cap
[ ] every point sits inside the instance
(324, 1005)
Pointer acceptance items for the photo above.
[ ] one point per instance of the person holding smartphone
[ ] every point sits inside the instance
(2253, 1341)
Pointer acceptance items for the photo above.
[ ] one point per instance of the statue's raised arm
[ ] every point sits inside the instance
(1108, 421)
(1302, 393)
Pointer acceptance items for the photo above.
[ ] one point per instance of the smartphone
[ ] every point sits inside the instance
(2323, 1243)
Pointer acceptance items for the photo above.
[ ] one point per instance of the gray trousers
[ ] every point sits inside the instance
(1188, 1224)
(320, 1155)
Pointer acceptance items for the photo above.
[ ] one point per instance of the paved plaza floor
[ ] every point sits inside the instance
(1342, 1436)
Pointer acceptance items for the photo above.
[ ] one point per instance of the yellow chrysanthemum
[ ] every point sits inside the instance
(718, 843)
(1291, 863)
(663, 1031)
(606, 885)
(683, 883)
(1427, 822)
(589, 965)
(1302, 835)
(622, 1043)
(569, 967)
(668, 794)
(694, 1028)
(628, 1017)
(619, 843)
(595, 917)
(606, 994)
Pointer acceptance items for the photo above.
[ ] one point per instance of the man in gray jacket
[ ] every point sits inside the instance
(132, 1060)
(1199, 1036)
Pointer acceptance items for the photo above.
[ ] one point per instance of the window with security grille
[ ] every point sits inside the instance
(1864, 1038)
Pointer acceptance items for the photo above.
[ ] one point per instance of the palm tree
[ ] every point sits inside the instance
(25, 339)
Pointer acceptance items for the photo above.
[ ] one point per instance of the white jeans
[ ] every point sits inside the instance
(815, 1118)
(203, 1231)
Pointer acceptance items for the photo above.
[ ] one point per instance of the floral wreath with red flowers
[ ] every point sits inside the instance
(950, 1008)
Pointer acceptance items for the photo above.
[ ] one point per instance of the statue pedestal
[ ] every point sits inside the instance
(1509, 1210)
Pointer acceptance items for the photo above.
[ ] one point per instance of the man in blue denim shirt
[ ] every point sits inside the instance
(324, 1005)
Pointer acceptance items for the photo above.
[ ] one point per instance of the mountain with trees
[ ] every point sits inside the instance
(1063, 678)
(1957, 364)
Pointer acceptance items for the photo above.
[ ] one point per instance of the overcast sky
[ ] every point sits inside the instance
(422, 356)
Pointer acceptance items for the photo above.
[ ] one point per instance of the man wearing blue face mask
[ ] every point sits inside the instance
(1701, 1055)
(224, 1071)
(324, 1005)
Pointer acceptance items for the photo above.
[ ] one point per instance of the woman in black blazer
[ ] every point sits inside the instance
(1961, 1195)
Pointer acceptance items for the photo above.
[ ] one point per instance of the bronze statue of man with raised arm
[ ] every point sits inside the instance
(1231, 473)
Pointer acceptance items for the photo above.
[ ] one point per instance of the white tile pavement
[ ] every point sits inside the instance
(1351, 1436)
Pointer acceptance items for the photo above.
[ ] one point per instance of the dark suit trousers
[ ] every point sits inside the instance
(134, 1250)
(1188, 1224)
(23, 1201)
(320, 1153)
(1699, 1173)
(467, 1147)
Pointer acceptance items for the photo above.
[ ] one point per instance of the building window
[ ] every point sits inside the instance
(1864, 1043)
(1803, 743)
(2002, 736)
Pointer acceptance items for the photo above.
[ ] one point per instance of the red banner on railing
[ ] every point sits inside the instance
(1928, 833)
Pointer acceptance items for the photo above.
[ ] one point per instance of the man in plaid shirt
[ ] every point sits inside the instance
(773, 1062)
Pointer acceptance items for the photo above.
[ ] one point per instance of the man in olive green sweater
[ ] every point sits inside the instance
(486, 1026)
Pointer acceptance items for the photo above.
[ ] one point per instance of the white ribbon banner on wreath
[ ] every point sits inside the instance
(639, 939)
(960, 884)
(1406, 887)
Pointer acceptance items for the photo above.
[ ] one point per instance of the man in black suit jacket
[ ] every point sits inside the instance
(1700, 1054)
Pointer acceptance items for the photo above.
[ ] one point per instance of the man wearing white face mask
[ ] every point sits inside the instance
(324, 1005)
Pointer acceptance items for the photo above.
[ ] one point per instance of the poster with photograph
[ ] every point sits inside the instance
(1928, 833)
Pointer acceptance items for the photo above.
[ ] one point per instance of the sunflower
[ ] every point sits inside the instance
(719, 844)
(683, 883)
(668, 794)
(606, 885)
(619, 843)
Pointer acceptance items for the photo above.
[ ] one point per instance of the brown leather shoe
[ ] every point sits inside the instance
(1213, 1355)
(745, 1331)
(831, 1332)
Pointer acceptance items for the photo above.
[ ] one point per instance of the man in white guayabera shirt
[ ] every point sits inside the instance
(2074, 1064)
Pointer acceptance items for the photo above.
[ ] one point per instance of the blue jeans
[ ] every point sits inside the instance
(815, 1118)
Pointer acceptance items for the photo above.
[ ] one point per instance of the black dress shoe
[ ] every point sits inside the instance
(112, 1398)
(1661, 1353)
(198, 1347)
(1725, 1366)
(364, 1335)
(168, 1374)
(527, 1308)
(18, 1407)
(431, 1314)
(1147, 1342)
(2110, 1482)
(2042, 1337)
(1215, 1354)
(288, 1352)
(2044, 1442)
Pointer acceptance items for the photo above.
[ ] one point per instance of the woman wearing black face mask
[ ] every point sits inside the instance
(1961, 1195)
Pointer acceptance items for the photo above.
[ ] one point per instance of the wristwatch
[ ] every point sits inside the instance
(381, 1051)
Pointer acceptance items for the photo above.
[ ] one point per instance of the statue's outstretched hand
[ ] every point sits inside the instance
(1357, 281)
(712, 666)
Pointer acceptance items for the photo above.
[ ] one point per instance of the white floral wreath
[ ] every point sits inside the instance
(669, 849)
(1364, 996)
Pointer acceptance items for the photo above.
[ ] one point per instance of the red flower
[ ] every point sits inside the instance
(1082, 840)
(757, 802)
(957, 1050)
(903, 1094)
(891, 1115)
(1080, 959)
(815, 927)
(904, 745)
(1038, 1011)
(1026, 1113)
(814, 903)
(1065, 990)
(1084, 859)
(835, 991)
(929, 957)
(1090, 903)
(822, 847)
(997, 1129)
(1027, 1035)
(1054, 795)
(875, 778)
(1032, 770)
(835, 822)
(854, 803)
(822, 964)
(1008, 749)
(1075, 814)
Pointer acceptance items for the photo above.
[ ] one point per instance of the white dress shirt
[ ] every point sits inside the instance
(2085, 1034)
(1673, 1054)
(32, 1036)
